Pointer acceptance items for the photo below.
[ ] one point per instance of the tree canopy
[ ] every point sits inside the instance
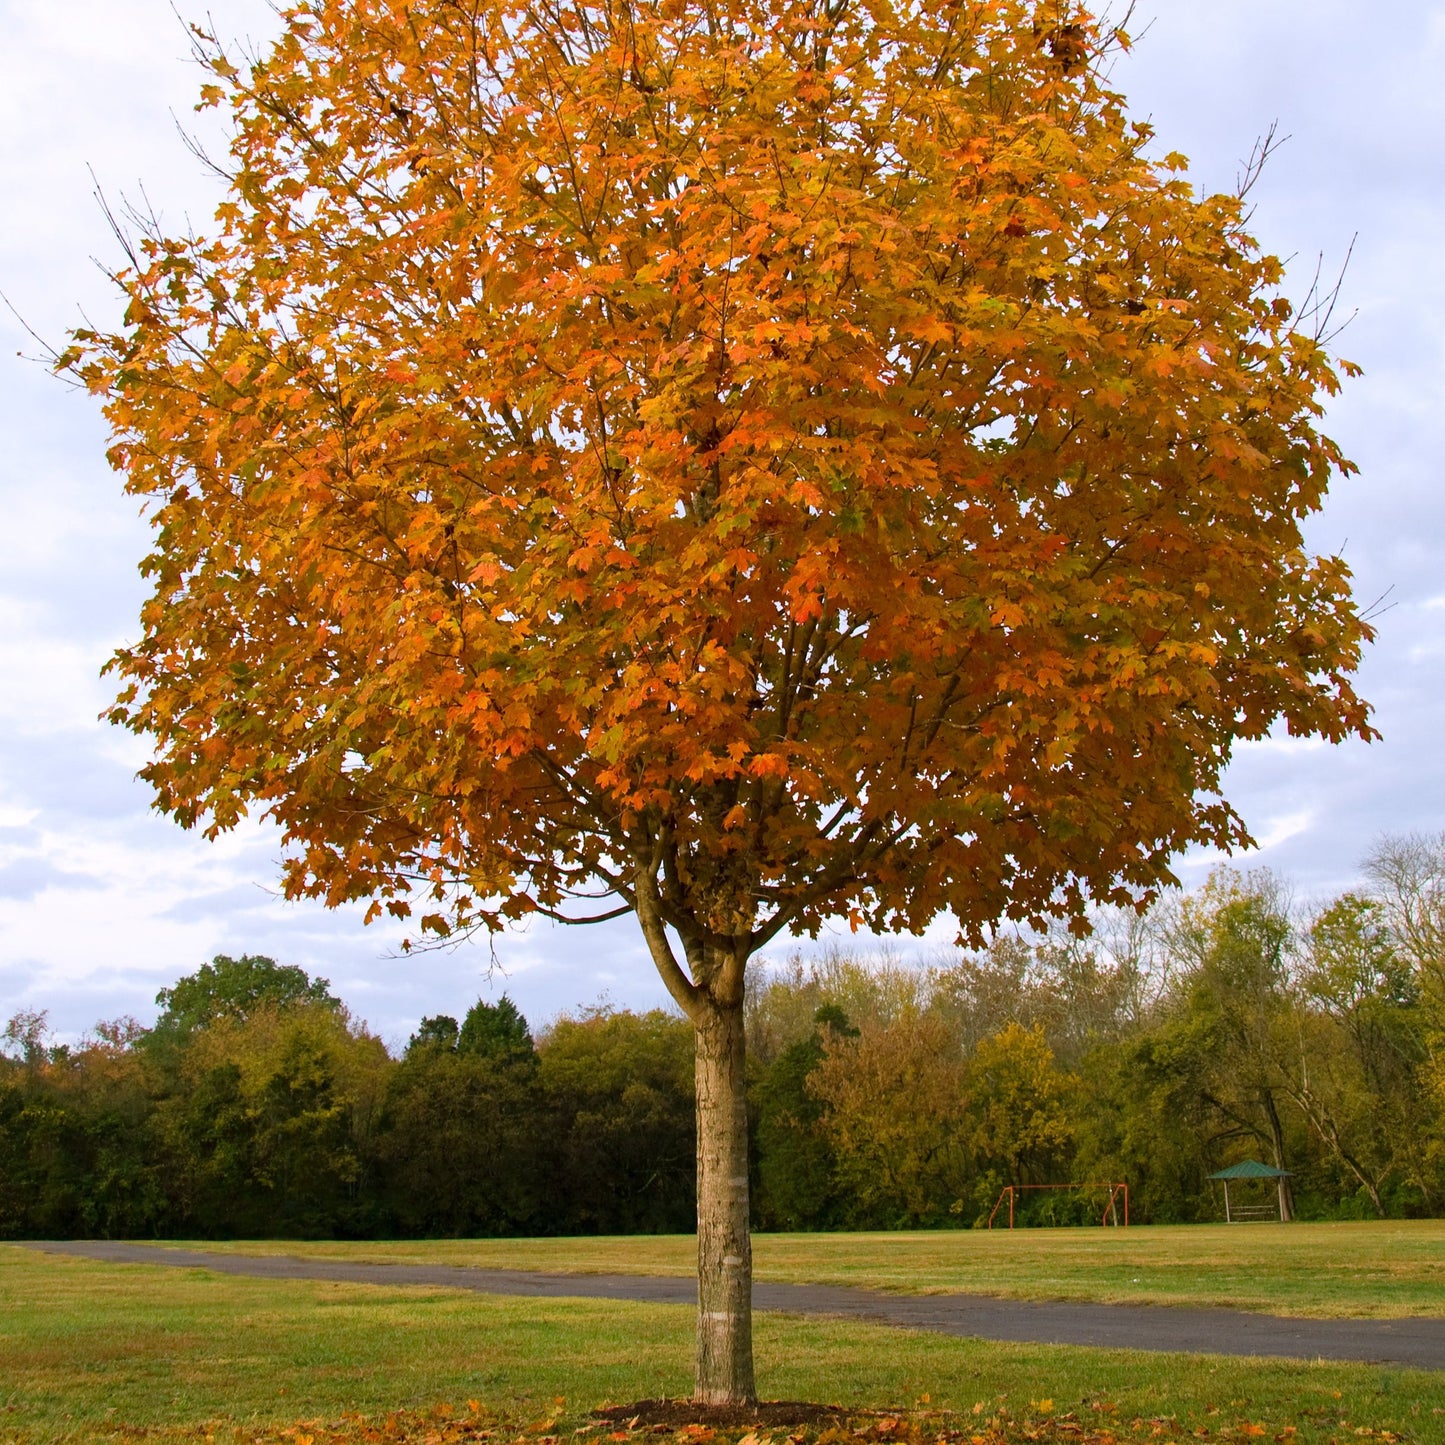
(234, 988)
(777, 461)
(495, 1030)
(490, 1030)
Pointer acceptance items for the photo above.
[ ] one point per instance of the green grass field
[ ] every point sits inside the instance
(93, 1351)
(1366, 1270)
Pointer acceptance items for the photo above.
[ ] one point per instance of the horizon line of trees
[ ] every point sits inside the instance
(1224, 1024)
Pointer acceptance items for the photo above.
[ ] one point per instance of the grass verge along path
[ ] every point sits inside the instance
(1371, 1270)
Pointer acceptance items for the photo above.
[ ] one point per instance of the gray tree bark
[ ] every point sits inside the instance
(724, 1244)
(710, 993)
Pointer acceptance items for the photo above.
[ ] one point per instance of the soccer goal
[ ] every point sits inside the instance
(1116, 1209)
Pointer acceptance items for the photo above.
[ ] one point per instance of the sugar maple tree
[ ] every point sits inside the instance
(748, 461)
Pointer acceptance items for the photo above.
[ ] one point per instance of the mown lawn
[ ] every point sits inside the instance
(1365, 1270)
(92, 1351)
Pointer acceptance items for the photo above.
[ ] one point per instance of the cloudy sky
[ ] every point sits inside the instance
(102, 902)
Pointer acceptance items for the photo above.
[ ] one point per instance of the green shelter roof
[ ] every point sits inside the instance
(1250, 1169)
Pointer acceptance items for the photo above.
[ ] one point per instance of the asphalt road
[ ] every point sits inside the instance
(1419, 1343)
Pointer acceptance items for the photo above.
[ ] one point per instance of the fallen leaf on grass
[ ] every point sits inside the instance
(837, 1426)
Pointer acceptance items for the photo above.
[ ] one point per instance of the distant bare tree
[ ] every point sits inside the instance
(1408, 871)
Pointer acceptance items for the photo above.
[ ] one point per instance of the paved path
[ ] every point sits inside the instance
(1415, 1342)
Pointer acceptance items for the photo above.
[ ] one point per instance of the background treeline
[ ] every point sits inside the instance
(1223, 1025)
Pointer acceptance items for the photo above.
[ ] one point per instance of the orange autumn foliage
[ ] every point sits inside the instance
(798, 460)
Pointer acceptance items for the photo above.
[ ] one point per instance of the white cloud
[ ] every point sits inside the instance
(1281, 830)
(1282, 743)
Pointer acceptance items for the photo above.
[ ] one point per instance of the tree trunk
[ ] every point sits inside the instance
(1276, 1139)
(724, 1246)
(712, 997)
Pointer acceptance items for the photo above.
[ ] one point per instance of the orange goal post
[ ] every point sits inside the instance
(1118, 1194)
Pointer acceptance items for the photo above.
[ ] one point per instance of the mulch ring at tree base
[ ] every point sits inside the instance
(679, 1422)
(765, 1414)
